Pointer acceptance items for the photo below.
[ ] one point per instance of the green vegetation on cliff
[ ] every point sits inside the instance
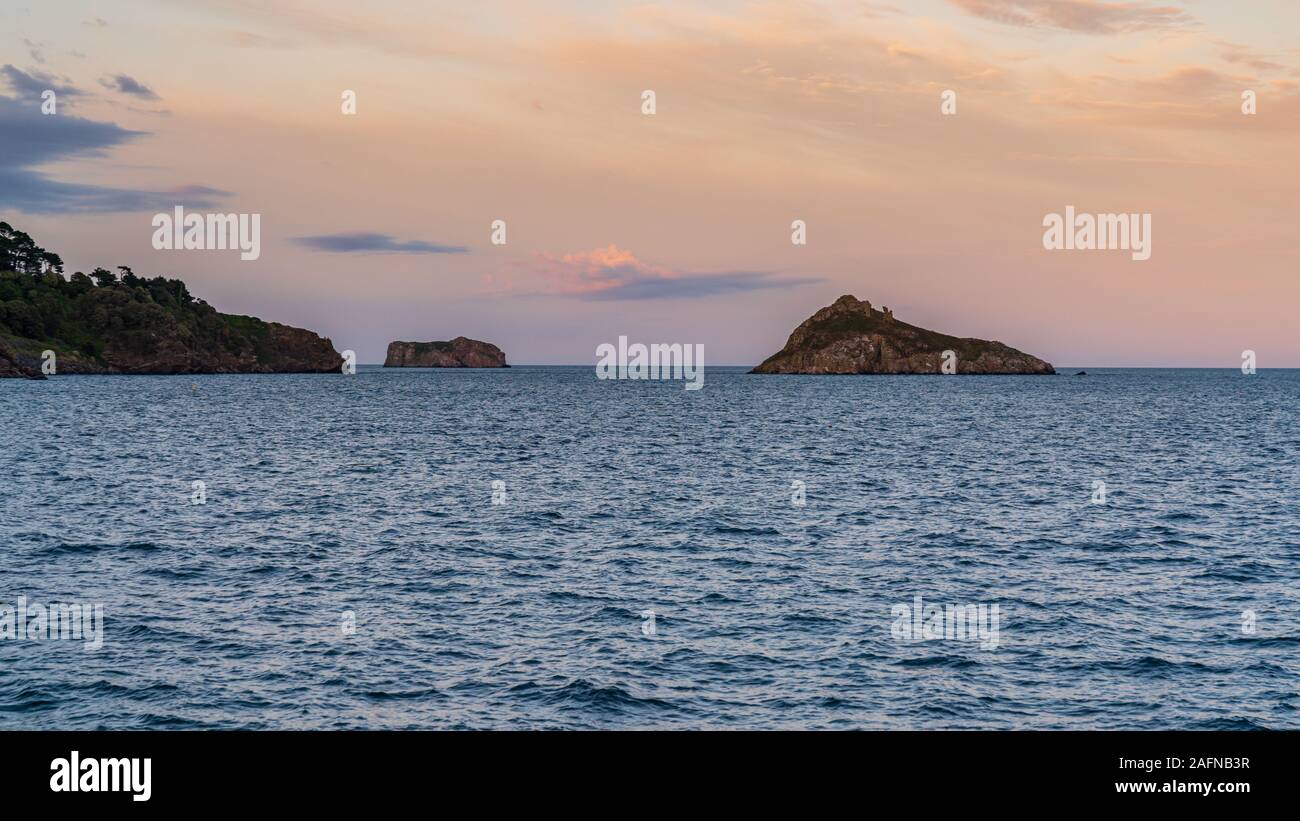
(108, 322)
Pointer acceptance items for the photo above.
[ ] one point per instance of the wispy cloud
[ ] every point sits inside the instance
(248, 39)
(30, 84)
(373, 243)
(35, 50)
(1085, 16)
(354, 25)
(1250, 57)
(128, 85)
(700, 285)
(29, 139)
(612, 273)
(1186, 97)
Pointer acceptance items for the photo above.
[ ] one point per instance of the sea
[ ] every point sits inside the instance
(536, 548)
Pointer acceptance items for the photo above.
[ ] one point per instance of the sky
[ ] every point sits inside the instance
(676, 226)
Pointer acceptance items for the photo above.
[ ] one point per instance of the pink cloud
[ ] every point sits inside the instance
(614, 273)
(588, 272)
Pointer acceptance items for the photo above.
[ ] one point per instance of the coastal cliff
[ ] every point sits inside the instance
(460, 352)
(12, 368)
(851, 337)
(121, 323)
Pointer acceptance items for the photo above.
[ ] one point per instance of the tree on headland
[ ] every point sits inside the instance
(138, 320)
(103, 276)
(19, 253)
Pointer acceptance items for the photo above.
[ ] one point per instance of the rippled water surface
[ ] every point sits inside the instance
(372, 495)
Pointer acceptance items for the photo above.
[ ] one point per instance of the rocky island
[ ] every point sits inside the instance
(850, 337)
(121, 323)
(460, 352)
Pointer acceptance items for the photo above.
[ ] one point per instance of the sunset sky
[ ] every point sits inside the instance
(675, 227)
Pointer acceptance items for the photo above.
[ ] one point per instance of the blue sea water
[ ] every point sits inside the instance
(349, 568)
